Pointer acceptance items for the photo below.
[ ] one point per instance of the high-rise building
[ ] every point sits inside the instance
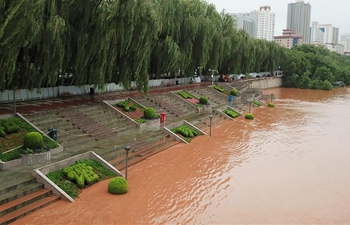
(258, 24)
(299, 18)
(247, 22)
(331, 34)
(266, 23)
(317, 34)
(345, 40)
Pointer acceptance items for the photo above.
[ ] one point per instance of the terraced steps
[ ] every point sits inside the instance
(22, 196)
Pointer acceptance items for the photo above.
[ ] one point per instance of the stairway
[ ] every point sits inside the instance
(21, 197)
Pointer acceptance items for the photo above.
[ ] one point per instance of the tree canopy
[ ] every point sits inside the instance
(77, 42)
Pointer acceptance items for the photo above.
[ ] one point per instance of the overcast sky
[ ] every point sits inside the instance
(335, 12)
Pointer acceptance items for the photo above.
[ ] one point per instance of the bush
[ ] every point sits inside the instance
(234, 92)
(186, 131)
(231, 113)
(249, 116)
(33, 140)
(203, 100)
(10, 126)
(133, 108)
(256, 102)
(2, 133)
(271, 104)
(219, 88)
(118, 186)
(122, 104)
(150, 113)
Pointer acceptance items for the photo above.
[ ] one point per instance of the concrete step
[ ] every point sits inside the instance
(20, 191)
(25, 200)
(16, 214)
(15, 182)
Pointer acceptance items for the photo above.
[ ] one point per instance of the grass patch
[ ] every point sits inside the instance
(186, 132)
(60, 178)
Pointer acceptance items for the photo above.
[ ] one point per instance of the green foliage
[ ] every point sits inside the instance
(256, 102)
(33, 140)
(186, 131)
(271, 105)
(9, 126)
(117, 186)
(249, 116)
(327, 85)
(5, 157)
(84, 172)
(141, 120)
(203, 100)
(234, 92)
(150, 113)
(219, 88)
(122, 104)
(231, 113)
(185, 94)
(2, 132)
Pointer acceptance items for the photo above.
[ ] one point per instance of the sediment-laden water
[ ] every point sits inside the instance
(289, 165)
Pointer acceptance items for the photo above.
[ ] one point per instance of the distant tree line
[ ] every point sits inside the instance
(76, 42)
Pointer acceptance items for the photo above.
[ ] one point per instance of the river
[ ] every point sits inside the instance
(291, 164)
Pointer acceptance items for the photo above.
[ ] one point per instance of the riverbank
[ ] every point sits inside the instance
(283, 167)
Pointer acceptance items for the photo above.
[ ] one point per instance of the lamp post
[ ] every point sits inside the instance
(211, 119)
(212, 80)
(127, 149)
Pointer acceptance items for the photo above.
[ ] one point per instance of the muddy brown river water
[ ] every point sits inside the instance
(291, 165)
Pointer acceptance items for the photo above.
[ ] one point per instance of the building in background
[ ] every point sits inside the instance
(247, 22)
(331, 34)
(299, 18)
(338, 48)
(258, 24)
(289, 39)
(317, 34)
(345, 40)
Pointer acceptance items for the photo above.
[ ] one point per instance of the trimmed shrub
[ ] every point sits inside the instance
(118, 186)
(271, 104)
(2, 133)
(122, 104)
(150, 113)
(219, 88)
(249, 116)
(33, 140)
(234, 92)
(256, 102)
(186, 131)
(10, 127)
(203, 100)
(231, 113)
(133, 108)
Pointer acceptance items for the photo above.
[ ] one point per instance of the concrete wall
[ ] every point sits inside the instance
(267, 82)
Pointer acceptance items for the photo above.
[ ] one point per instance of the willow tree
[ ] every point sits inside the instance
(230, 44)
(20, 27)
(137, 26)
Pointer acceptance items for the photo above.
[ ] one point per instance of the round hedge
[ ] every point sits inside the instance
(271, 104)
(149, 113)
(234, 92)
(249, 116)
(33, 140)
(118, 186)
(203, 100)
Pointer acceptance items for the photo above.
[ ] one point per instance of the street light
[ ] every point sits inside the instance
(127, 149)
(211, 119)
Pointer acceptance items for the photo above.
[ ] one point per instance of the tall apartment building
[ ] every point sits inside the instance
(317, 34)
(299, 18)
(247, 22)
(331, 34)
(258, 24)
